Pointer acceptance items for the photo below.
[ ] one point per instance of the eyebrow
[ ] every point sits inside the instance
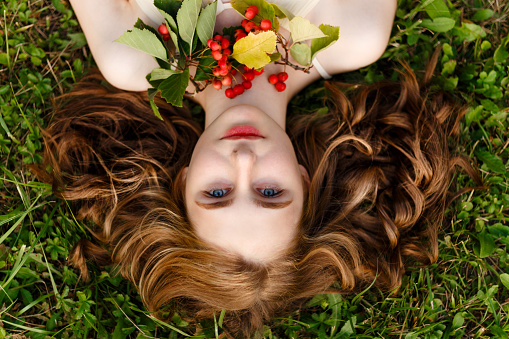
(229, 202)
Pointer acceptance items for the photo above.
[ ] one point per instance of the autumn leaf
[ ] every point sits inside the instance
(302, 29)
(253, 50)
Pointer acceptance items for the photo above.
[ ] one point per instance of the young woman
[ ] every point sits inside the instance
(253, 214)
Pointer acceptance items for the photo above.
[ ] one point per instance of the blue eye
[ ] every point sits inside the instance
(270, 192)
(217, 193)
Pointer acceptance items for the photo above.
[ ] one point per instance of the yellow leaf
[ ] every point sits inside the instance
(302, 29)
(253, 50)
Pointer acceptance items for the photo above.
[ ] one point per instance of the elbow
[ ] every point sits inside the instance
(127, 73)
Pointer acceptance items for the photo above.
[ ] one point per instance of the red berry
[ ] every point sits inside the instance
(217, 55)
(244, 22)
(227, 80)
(238, 89)
(253, 8)
(250, 14)
(273, 79)
(217, 84)
(209, 41)
(218, 38)
(249, 76)
(280, 86)
(266, 24)
(247, 84)
(215, 46)
(233, 71)
(238, 32)
(224, 71)
(283, 76)
(227, 52)
(229, 93)
(216, 71)
(247, 69)
(222, 64)
(225, 43)
(240, 36)
(256, 72)
(166, 37)
(249, 26)
(163, 29)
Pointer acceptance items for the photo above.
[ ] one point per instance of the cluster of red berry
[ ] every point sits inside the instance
(164, 32)
(224, 73)
(250, 26)
(278, 80)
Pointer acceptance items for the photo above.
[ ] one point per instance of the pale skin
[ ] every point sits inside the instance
(245, 171)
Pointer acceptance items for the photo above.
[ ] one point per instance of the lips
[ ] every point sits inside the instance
(242, 132)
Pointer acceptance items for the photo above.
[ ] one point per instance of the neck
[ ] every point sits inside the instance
(262, 95)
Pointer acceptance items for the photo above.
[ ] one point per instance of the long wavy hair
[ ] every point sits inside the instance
(380, 167)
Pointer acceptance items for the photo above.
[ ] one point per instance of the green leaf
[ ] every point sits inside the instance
(347, 328)
(174, 88)
(145, 41)
(151, 94)
(473, 115)
(170, 20)
(161, 73)
(458, 320)
(498, 229)
(320, 44)
(275, 57)
(302, 29)
(482, 14)
(169, 6)
(501, 55)
(204, 69)
(437, 9)
(206, 23)
(504, 278)
(493, 162)
(187, 18)
(487, 244)
(439, 25)
(469, 32)
(252, 50)
(4, 59)
(301, 53)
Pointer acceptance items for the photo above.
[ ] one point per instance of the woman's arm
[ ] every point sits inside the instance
(104, 21)
(364, 31)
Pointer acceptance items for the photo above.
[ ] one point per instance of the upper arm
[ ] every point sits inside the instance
(104, 21)
(364, 31)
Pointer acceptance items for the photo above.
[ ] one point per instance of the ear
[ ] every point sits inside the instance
(184, 174)
(305, 175)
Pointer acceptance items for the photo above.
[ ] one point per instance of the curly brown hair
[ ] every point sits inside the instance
(381, 170)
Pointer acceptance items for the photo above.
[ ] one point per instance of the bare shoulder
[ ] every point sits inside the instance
(365, 27)
(104, 21)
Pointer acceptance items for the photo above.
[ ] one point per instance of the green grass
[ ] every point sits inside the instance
(464, 295)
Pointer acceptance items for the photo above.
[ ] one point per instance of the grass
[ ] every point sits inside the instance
(464, 295)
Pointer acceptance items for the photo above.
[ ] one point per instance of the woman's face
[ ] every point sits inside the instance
(244, 188)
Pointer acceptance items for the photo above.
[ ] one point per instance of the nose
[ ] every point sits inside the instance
(243, 156)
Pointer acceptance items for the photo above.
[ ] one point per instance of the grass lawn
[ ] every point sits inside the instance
(464, 295)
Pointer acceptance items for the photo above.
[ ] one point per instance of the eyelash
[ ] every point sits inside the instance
(209, 193)
(277, 191)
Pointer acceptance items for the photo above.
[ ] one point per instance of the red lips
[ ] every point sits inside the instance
(242, 132)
